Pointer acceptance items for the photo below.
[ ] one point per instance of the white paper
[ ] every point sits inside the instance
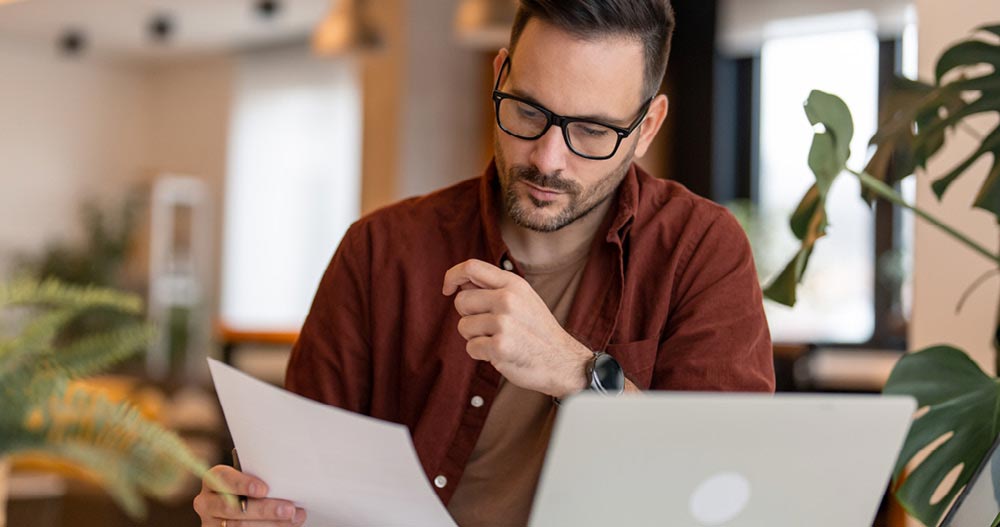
(345, 469)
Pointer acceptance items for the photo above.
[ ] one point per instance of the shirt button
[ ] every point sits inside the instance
(440, 482)
(477, 401)
(507, 264)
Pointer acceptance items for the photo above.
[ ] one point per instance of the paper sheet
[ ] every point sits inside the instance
(345, 469)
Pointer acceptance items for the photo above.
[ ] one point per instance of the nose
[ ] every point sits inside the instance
(549, 152)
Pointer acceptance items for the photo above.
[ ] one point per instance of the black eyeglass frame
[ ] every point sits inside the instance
(561, 121)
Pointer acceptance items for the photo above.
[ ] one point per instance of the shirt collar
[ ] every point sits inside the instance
(623, 211)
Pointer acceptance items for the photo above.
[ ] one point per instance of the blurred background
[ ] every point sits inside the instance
(208, 156)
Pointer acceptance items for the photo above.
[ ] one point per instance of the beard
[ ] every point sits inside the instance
(529, 212)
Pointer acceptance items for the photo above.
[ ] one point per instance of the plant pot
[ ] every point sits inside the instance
(4, 473)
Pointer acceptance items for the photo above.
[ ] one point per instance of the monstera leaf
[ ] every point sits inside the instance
(969, 53)
(914, 123)
(916, 117)
(827, 158)
(963, 404)
(908, 106)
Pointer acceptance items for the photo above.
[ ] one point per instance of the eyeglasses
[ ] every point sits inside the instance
(586, 138)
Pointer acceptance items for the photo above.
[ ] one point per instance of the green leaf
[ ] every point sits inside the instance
(832, 146)
(135, 454)
(946, 100)
(895, 156)
(989, 193)
(827, 159)
(967, 54)
(95, 353)
(804, 213)
(43, 412)
(995, 29)
(962, 401)
(54, 293)
(987, 197)
(782, 288)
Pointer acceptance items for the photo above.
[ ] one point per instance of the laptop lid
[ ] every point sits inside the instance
(978, 505)
(693, 459)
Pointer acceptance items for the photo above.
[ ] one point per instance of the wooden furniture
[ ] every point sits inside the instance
(232, 338)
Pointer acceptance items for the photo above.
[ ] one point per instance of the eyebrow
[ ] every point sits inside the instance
(600, 118)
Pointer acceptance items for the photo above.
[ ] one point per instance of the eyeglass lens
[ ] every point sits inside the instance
(528, 122)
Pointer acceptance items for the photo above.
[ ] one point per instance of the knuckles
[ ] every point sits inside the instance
(505, 301)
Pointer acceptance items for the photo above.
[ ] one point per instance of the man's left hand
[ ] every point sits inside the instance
(506, 323)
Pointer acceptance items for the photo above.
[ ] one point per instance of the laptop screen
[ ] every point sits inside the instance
(979, 504)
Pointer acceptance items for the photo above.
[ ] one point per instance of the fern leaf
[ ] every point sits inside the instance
(40, 410)
(27, 291)
(96, 353)
(103, 468)
(136, 453)
(35, 338)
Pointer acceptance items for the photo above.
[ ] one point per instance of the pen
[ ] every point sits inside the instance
(236, 465)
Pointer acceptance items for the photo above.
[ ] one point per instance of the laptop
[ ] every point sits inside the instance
(978, 505)
(711, 460)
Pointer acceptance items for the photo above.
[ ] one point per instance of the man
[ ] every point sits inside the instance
(468, 313)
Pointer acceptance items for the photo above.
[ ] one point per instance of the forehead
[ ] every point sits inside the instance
(575, 76)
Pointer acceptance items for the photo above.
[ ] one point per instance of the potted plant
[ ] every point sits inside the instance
(960, 404)
(46, 411)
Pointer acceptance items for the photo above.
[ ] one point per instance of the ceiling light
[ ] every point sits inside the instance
(346, 28)
(72, 42)
(267, 9)
(161, 28)
(485, 23)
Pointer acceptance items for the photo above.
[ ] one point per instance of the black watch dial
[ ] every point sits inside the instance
(606, 375)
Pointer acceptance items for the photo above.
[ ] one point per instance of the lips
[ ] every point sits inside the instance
(541, 194)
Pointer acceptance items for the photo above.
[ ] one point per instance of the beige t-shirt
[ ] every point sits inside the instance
(498, 485)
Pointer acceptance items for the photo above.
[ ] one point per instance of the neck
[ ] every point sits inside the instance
(548, 248)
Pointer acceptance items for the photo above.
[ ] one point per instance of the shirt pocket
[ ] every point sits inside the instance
(637, 359)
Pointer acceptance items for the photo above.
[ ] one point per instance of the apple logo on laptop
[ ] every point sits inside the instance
(719, 499)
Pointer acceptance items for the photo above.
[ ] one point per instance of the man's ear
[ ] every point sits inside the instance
(498, 62)
(651, 123)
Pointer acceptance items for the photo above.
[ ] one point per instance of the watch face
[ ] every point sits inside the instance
(608, 376)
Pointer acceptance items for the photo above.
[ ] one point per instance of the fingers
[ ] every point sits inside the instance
(485, 325)
(213, 506)
(235, 482)
(296, 521)
(479, 348)
(477, 273)
(210, 505)
(478, 301)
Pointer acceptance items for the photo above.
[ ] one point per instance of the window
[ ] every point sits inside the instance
(838, 54)
(293, 183)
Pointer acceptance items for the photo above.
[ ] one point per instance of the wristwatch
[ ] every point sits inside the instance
(605, 375)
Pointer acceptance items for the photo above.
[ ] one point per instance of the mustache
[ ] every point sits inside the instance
(549, 181)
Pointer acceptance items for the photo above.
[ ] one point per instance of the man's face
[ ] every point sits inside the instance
(544, 185)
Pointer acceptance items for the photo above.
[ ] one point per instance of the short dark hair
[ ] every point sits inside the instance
(649, 21)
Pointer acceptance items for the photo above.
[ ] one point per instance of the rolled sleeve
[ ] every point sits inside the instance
(331, 360)
(717, 336)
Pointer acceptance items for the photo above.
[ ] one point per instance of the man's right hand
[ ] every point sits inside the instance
(215, 511)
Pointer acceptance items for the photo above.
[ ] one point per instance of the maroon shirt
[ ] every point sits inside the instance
(669, 290)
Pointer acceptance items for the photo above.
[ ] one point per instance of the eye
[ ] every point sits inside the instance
(595, 131)
(528, 112)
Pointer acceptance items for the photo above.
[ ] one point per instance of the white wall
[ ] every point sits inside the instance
(69, 129)
(189, 103)
(442, 102)
(943, 269)
(744, 24)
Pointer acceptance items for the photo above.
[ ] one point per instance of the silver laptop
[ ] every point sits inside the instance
(710, 460)
(978, 505)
